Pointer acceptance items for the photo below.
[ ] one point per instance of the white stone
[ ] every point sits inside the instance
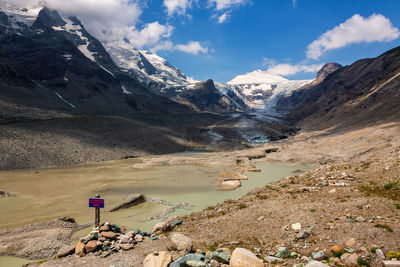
(296, 226)
(244, 258)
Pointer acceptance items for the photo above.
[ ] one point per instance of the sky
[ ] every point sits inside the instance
(220, 39)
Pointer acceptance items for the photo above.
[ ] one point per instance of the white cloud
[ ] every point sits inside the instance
(150, 35)
(223, 17)
(268, 62)
(289, 69)
(294, 3)
(165, 46)
(225, 4)
(108, 20)
(192, 47)
(177, 6)
(375, 28)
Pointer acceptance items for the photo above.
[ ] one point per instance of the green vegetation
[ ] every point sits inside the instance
(384, 226)
(373, 250)
(397, 206)
(390, 185)
(363, 261)
(313, 210)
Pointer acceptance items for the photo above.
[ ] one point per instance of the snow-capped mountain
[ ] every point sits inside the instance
(52, 62)
(262, 89)
(254, 90)
(163, 78)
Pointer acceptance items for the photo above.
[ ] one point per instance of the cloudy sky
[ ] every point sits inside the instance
(220, 39)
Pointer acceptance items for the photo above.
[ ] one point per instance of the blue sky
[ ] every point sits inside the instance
(220, 39)
(278, 30)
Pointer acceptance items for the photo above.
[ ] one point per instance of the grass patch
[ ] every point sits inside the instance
(391, 185)
(397, 206)
(373, 250)
(384, 226)
(313, 210)
(363, 262)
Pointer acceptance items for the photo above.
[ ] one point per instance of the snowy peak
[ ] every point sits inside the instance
(257, 77)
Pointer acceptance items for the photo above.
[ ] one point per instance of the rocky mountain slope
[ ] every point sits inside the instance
(362, 93)
(55, 64)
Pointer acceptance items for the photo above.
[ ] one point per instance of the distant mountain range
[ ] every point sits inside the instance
(116, 72)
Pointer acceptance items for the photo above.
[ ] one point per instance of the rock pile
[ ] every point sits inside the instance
(108, 238)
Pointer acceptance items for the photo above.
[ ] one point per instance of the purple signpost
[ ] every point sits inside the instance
(96, 203)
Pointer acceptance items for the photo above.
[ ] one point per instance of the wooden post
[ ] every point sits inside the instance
(97, 214)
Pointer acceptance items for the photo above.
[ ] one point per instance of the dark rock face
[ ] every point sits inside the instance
(205, 96)
(48, 18)
(367, 91)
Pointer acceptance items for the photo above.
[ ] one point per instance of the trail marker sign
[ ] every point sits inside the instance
(96, 202)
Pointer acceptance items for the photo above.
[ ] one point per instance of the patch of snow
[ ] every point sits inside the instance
(66, 79)
(64, 100)
(107, 70)
(67, 56)
(257, 77)
(125, 91)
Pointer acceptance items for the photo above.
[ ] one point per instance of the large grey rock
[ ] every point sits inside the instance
(282, 252)
(181, 242)
(159, 259)
(221, 256)
(192, 259)
(244, 258)
(130, 201)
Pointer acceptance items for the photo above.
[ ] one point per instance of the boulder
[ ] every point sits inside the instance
(336, 249)
(344, 256)
(65, 251)
(126, 246)
(91, 246)
(80, 247)
(105, 228)
(221, 256)
(138, 238)
(159, 259)
(302, 235)
(282, 252)
(109, 235)
(130, 201)
(181, 242)
(244, 258)
(193, 259)
(352, 260)
(296, 226)
(351, 243)
(162, 227)
(230, 184)
(380, 255)
(271, 259)
(319, 255)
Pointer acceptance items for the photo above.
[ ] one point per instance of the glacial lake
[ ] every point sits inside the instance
(44, 194)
